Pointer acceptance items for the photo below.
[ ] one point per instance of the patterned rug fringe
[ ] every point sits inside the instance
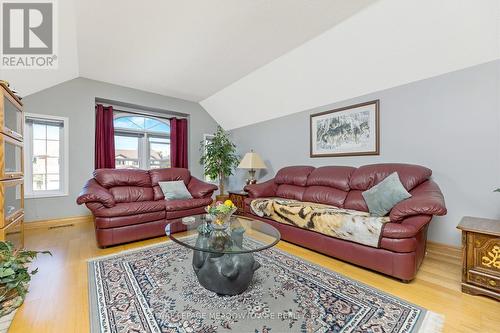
(432, 323)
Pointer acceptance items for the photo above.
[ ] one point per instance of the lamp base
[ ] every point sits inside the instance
(251, 181)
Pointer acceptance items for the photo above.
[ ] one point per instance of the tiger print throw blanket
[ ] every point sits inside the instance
(346, 224)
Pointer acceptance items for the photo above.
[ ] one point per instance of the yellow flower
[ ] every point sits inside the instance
(228, 203)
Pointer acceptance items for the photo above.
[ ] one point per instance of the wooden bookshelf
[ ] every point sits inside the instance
(11, 168)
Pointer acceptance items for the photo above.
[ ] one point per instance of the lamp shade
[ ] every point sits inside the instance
(251, 160)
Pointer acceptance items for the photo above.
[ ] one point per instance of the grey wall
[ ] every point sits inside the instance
(75, 99)
(449, 123)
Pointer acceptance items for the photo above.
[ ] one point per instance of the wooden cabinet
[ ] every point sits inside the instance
(481, 256)
(11, 168)
(238, 198)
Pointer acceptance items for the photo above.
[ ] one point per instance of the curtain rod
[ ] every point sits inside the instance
(143, 112)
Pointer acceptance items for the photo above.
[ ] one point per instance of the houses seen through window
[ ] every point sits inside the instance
(141, 142)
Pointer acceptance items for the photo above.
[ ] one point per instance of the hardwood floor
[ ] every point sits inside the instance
(58, 302)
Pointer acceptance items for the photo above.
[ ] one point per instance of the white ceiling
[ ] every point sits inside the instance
(252, 60)
(194, 48)
(390, 43)
(182, 48)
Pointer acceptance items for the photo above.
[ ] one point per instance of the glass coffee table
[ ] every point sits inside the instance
(222, 258)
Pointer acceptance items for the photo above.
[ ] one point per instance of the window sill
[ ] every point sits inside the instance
(44, 195)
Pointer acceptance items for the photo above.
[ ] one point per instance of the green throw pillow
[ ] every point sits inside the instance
(175, 190)
(382, 197)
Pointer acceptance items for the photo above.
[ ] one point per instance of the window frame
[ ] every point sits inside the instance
(63, 159)
(144, 135)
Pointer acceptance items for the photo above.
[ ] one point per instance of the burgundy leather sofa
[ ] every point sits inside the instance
(129, 205)
(403, 240)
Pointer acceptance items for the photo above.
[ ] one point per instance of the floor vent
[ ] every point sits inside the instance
(61, 226)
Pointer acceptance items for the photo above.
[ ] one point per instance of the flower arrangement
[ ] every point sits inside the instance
(221, 211)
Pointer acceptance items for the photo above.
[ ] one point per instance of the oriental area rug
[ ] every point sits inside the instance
(154, 289)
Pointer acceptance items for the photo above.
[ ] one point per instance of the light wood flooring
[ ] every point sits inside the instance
(58, 301)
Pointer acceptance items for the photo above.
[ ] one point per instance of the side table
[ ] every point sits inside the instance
(238, 198)
(480, 256)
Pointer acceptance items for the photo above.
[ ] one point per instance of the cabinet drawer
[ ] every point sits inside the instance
(14, 232)
(11, 116)
(11, 201)
(484, 280)
(11, 158)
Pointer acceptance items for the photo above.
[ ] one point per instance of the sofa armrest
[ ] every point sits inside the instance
(93, 192)
(426, 199)
(265, 189)
(406, 228)
(200, 189)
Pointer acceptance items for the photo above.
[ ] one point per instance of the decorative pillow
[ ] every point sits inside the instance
(175, 190)
(382, 197)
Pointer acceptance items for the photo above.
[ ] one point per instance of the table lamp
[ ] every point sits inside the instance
(251, 161)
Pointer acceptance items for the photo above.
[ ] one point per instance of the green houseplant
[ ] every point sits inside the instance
(219, 158)
(14, 276)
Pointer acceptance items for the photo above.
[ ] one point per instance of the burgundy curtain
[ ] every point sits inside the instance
(178, 143)
(104, 137)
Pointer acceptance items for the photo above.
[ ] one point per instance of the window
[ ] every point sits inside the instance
(141, 142)
(46, 155)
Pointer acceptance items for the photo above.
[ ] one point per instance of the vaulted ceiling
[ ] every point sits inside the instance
(247, 61)
(182, 48)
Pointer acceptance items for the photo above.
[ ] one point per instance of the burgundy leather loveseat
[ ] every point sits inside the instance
(402, 243)
(129, 205)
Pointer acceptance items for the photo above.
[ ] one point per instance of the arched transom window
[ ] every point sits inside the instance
(141, 142)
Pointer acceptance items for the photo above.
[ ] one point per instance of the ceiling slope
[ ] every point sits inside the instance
(390, 43)
(190, 48)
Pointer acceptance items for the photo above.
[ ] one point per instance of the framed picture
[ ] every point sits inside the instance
(349, 131)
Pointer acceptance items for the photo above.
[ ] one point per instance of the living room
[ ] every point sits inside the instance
(250, 166)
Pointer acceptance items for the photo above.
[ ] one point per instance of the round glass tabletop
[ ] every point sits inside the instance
(243, 235)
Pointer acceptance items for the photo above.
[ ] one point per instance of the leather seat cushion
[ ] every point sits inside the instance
(184, 204)
(325, 195)
(290, 191)
(128, 208)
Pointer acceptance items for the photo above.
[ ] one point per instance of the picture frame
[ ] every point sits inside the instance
(353, 130)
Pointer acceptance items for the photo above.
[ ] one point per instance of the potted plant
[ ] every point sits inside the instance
(219, 158)
(14, 276)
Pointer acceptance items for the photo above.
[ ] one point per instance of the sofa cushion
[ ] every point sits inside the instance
(165, 175)
(183, 204)
(126, 208)
(355, 201)
(175, 190)
(407, 228)
(332, 176)
(382, 197)
(169, 174)
(290, 191)
(132, 193)
(324, 195)
(294, 175)
(122, 177)
(368, 176)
